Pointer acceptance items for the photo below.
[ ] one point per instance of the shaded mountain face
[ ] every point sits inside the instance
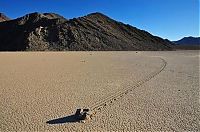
(3, 17)
(188, 41)
(94, 32)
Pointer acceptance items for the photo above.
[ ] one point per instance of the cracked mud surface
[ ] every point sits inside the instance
(39, 87)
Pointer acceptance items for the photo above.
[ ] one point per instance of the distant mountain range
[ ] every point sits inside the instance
(188, 41)
(93, 32)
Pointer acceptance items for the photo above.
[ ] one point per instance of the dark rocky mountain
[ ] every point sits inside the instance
(3, 17)
(52, 32)
(188, 41)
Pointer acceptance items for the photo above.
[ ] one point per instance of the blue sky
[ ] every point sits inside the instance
(171, 19)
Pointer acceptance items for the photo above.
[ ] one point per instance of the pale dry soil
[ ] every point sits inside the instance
(36, 87)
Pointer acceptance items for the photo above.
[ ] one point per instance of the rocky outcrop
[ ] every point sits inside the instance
(52, 32)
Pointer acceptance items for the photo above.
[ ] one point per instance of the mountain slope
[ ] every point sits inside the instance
(188, 41)
(3, 17)
(52, 32)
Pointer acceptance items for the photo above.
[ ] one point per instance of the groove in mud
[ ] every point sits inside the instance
(109, 99)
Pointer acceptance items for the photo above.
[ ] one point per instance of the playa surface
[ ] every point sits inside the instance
(42, 90)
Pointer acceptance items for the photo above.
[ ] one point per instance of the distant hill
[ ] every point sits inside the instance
(94, 32)
(188, 41)
(3, 17)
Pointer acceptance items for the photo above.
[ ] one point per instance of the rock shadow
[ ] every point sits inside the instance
(62, 120)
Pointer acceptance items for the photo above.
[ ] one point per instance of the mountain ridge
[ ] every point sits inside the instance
(93, 32)
(188, 41)
(3, 17)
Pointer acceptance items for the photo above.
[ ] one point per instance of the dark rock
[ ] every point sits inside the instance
(86, 110)
(78, 111)
(83, 114)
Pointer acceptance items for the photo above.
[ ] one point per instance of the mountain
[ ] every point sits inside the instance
(3, 17)
(188, 41)
(94, 32)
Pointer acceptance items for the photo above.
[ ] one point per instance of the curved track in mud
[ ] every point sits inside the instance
(110, 99)
(128, 91)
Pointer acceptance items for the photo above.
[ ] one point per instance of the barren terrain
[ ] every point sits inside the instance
(152, 91)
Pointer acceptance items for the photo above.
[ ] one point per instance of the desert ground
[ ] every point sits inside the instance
(141, 91)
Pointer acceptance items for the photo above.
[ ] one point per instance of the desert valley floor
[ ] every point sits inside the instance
(42, 90)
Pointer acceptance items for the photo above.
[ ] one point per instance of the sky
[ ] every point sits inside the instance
(169, 19)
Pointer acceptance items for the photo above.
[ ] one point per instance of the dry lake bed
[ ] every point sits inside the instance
(145, 91)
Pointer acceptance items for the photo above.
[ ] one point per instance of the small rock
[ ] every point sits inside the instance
(86, 110)
(83, 114)
(78, 111)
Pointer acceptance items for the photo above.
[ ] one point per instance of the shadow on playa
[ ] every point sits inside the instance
(80, 115)
(67, 119)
